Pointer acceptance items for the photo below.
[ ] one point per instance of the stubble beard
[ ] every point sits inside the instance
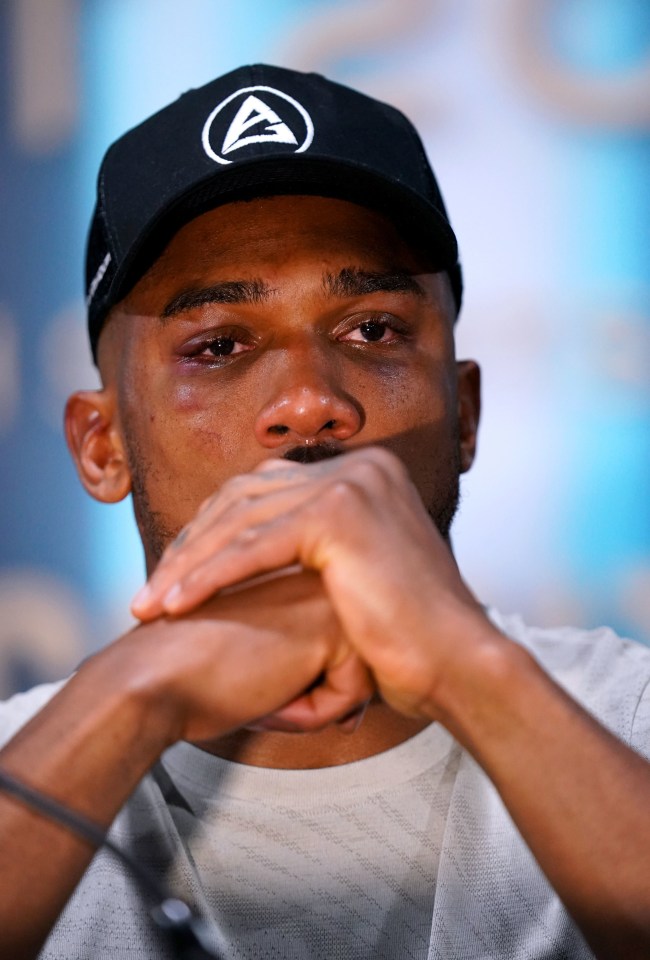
(156, 532)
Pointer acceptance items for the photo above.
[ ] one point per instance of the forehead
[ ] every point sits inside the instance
(284, 231)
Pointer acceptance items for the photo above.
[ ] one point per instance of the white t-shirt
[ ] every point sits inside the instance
(409, 853)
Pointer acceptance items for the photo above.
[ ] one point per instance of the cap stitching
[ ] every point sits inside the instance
(113, 243)
(97, 279)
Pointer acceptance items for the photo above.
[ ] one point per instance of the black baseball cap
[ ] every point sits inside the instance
(257, 131)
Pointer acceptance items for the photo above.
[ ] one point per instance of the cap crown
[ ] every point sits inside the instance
(256, 131)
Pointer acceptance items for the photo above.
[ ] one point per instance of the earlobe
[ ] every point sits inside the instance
(96, 445)
(469, 410)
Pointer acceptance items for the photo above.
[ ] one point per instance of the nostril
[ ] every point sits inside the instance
(281, 430)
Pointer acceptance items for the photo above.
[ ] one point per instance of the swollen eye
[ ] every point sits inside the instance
(372, 329)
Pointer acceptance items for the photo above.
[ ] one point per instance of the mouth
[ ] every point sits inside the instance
(313, 452)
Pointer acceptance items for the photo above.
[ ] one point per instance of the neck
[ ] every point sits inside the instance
(380, 730)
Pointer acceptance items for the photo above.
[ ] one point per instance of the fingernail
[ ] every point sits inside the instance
(358, 721)
(171, 598)
(142, 597)
(353, 720)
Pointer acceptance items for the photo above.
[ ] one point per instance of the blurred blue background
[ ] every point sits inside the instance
(536, 115)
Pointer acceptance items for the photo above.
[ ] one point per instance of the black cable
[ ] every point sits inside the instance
(170, 914)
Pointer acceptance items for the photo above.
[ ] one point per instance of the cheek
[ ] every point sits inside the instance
(193, 416)
(413, 396)
(202, 433)
(212, 426)
(419, 420)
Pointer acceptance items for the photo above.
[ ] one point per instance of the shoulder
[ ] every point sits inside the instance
(17, 710)
(580, 658)
(608, 674)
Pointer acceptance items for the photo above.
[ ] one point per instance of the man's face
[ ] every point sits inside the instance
(284, 326)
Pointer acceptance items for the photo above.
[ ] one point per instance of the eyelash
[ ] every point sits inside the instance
(198, 350)
(388, 321)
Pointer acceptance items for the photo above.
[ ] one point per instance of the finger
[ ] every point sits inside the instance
(223, 555)
(292, 720)
(268, 477)
(353, 721)
(238, 499)
(341, 698)
(253, 550)
(233, 493)
(194, 558)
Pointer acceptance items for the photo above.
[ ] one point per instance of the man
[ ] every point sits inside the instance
(317, 734)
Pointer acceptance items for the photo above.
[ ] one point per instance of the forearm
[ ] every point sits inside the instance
(195, 678)
(88, 748)
(578, 795)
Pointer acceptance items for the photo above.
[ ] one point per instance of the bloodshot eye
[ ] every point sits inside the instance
(215, 348)
(384, 329)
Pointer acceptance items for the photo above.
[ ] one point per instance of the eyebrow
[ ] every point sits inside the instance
(227, 291)
(352, 282)
(349, 282)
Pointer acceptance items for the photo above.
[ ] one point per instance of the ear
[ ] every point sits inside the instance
(96, 445)
(469, 410)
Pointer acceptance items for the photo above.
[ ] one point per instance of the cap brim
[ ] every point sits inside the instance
(419, 222)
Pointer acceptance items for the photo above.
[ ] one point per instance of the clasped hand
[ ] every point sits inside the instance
(391, 579)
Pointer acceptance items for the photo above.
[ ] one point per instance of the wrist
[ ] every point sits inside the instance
(484, 687)
(97, 737)
(134, 680)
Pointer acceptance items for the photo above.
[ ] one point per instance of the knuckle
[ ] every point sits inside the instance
(387, 461)
(236, 505)
(247, 536)
(371, 472)
(377, 468)
(342, 494)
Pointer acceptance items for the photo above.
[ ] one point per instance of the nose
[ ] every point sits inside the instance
(306, 402)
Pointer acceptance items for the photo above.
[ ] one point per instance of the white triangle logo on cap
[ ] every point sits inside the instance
(292, 125)
(254, 111)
